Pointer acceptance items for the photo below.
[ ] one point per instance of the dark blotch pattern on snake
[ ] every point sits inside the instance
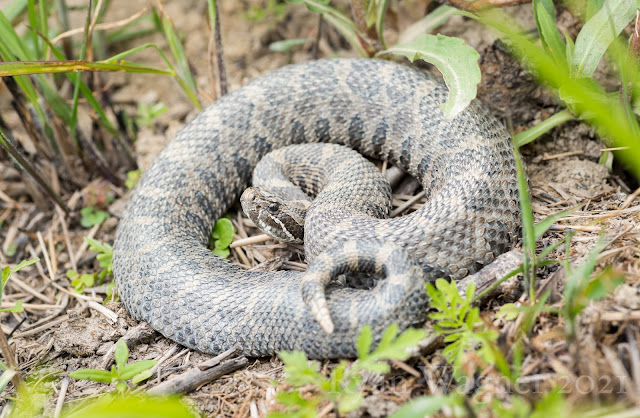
(166, 276)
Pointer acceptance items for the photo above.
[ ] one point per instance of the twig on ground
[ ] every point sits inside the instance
(196, 377)
(256, 239)
(64, 386)
(217, 57)
(41, 328)
(110, 315)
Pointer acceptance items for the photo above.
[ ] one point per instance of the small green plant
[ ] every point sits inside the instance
(91, 216)
(6, 275)
(274, 11)
(343, 386)
(581, 288)
(120, 372)
(461, 325)
(9, 370)
(104, 257)
(148, 112)
(133, 177)
(221, 237)
(80, 281)
(33, 398)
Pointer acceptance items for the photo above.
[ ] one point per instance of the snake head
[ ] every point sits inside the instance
(281, 220)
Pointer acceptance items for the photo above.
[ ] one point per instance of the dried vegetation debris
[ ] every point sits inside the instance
(61, 330)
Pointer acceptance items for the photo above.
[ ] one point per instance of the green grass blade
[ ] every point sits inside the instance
(543, 127)
(339, 21)
(14, 9)
(381, 9)
(175, 46)
(528, 232)
(33, 22)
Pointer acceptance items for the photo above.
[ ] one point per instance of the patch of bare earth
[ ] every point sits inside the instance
(62, 330)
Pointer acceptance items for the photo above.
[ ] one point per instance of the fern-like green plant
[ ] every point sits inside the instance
(343, 387)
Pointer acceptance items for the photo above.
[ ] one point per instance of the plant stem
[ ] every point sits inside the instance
(220, 67)
(543, 127)
(7, 353)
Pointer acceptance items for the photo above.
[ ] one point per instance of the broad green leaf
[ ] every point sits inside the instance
(223, 233)
(121, 354)
(92, 374)
(133, 369)
(221, 252)
(545, 16)
(428, 23)
(598, 33)
(457, 62)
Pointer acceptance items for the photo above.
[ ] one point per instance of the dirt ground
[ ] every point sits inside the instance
(62, 330)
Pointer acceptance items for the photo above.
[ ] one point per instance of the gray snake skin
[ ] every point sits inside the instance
(167, 277)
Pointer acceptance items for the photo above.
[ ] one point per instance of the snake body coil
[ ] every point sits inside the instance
(167, 277)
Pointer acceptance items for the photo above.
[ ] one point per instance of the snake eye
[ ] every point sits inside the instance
(273, 207)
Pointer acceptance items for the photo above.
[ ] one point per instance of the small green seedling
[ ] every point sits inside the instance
(343, 388)
(6, 275)
(274, 10)
(461, 325)
(81, 281)
(91, 216)
(120, 372)
(148, 112)
(221, 237)
(580, 288)
(104, 257)
(133, 177)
